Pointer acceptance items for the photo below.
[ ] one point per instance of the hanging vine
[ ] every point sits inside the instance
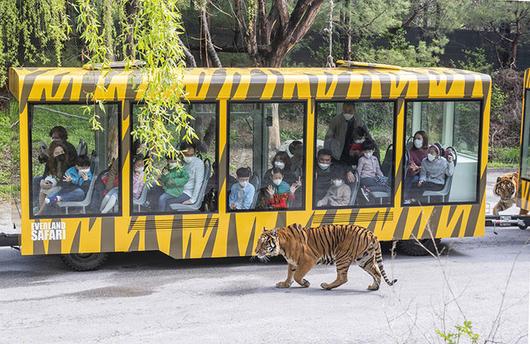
(28, 30)
(153, 37)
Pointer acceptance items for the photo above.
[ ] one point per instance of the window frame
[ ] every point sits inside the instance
(394, 140)
(303, 102)
(476, 201)
(525, 140)
(132, 104)
(119, 213)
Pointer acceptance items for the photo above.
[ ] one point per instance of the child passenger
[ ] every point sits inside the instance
(242, 192)
(434, 170)
(280, 193)
(372, 178)
(339, 192)
(75, 183)
(173, 180)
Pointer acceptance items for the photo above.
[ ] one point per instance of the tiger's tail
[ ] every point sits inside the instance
(379, 260)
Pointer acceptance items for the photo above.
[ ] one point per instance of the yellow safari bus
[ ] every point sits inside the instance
(523, 197)
(393, 149)
(516, 186)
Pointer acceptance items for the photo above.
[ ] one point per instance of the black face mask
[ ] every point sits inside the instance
(61, 157)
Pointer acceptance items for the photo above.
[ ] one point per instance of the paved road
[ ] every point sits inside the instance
(143, 298)
(152, 298)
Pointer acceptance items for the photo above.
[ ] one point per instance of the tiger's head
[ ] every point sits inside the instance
(268, 244)
(506, 185)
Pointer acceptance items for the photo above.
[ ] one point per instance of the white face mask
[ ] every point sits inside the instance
(348, 116)
(337, 182)
(85, 171)
(431, 157)
(279, 164)
(368, 154)
(277, 181)
(418, 143)
(359, 140)
(187, 159)
(323, 166)
(139, 169)
(243, 183)
(172, 165)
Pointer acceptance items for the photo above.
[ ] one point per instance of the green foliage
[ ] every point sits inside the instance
(163, 121)
(462, 331)
(475, 60)
(29, 29)
(504, 155)
(401, 52)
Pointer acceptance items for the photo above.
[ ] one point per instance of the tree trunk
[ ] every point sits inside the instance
(274, 130)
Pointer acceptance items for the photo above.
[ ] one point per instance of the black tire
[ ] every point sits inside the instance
(84, 261)
(413, 248)
(523, 227)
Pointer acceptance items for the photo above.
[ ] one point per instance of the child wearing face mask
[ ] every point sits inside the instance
(434, 170)
(281, 161)
(372, 178)
(280, 193)
(173, 179)
(75, 183)
(338, 194)
(242, 192)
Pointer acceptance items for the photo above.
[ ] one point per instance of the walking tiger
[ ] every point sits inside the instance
(343, 245)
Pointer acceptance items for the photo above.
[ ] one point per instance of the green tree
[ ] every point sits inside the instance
(508, 21)
(31, 32)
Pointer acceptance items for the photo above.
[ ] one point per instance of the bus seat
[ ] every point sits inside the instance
(202, 192)
(355, 188)
(140, 202)
(386, 166)
(444, 193)
(81, 204)
(82, 148)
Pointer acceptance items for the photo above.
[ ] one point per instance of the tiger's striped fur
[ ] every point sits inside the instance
(343, 245)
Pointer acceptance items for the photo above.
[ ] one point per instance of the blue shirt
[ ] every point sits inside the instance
(77, 180)
(241, 197)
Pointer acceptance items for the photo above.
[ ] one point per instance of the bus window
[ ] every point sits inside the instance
(183, 186)
(354, 162)
(442, 152)
(75, 170)
(525, 170)
(266, 156)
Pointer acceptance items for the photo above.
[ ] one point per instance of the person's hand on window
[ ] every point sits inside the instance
(420, 183)
(296, 185)
(67, 178)
(232, 206)
(187, 202)
(270, 191)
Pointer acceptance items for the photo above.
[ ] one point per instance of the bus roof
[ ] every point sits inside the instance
(210, 84)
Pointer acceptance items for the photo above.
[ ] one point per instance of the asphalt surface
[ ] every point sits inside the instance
(151, 298)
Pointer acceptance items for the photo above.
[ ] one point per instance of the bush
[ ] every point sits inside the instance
(504, 155)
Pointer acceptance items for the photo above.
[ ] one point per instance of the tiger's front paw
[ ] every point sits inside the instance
(305, 283)
(326, 286)
(283, 284)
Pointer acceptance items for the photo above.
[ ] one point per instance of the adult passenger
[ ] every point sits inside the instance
(282, 161)
(324, 169)
(339, 135)
(195, 168)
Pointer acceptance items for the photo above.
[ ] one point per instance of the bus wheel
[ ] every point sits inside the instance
(84, 261)
(413, 248)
